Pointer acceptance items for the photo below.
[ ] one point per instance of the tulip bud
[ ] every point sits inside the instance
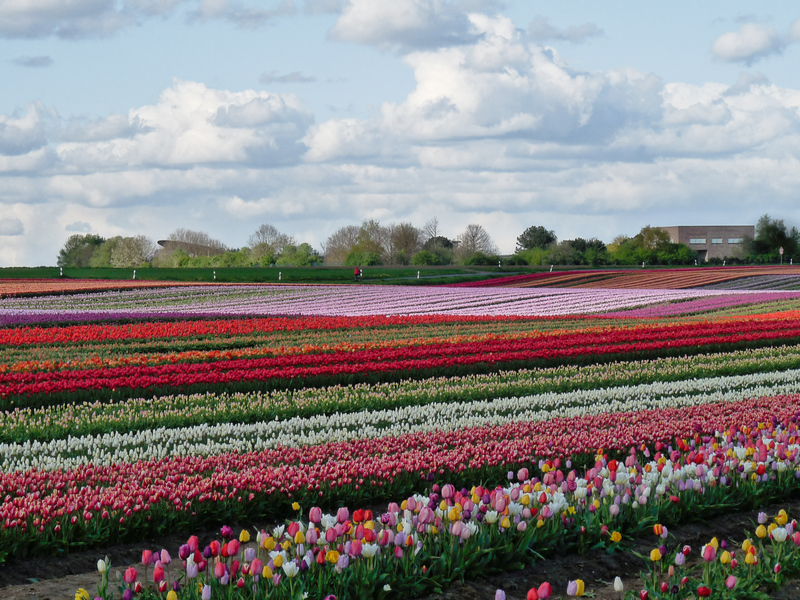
(544, 591)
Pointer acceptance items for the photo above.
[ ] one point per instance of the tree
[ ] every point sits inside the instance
(654, 238)
(403, 243)
(78, 250)
(340, 244)
(536, 236)
(268, 244)
(475, 239)
(370, 246)
(771, 235)
(199, 238)
(299, 256)
(102, 255)
(133, 252)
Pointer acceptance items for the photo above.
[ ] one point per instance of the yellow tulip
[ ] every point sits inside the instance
(725, 557)
(655, 555)
(369, 525)
(266, 572)
(82, 594)
(714, 542)
(244, 536)
(539, 523)
(172, 595)
(295, 506)
(581, 587)
(616, 536)
(332, 556)
(443, 505)
(771, 527)
(278, 561)
(761, 531)
(268, 543)
(782, 518)
(286, 545)
(505, 523)
(750, 559)
(299, 537)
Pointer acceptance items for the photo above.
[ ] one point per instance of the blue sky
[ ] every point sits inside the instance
(594, 119)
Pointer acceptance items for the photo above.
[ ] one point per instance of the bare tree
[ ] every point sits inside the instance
(475, 239)
(132, 252)
(340, 244)
(269, 235)
(403, 243)
(199, 238)
(430, 229)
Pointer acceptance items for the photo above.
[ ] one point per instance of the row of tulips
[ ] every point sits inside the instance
(337, 300)
(172, 411)
(492, 354)
(207, 440)
(49, 510)
(431, 539)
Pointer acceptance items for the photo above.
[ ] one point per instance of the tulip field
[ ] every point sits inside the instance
(384, 442)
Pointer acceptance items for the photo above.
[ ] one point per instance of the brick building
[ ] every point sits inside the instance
(722, 241)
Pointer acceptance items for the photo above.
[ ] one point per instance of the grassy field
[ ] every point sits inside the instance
(393, 275)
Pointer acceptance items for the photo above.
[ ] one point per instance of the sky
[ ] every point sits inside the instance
(593, 119)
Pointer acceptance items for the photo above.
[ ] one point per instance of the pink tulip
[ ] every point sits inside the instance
(130, 575)
(544, 591)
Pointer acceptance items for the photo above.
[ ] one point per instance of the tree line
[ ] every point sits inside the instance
(372, 243)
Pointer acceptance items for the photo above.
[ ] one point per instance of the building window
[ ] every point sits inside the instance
(716, 240)
(735, 240)
(697, 240)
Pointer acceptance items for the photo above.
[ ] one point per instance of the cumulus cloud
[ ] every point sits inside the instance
(11, 227)
(751, 43)
(541, 30)
(75, 19)
(33, 61)
(24, 133)
(745, 82)
(293, 77)
(79, 227)
(404, 24)
(63, 18)
(193, 124)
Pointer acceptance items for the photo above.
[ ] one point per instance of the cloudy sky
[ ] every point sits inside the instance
(125, 117)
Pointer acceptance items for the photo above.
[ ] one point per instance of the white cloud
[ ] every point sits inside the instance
(75, 19)
(193, 124)
(541, 30)
(10, 227)
(794, 31)
(33, 61)
(751, 43)
(23, 133)
(404, 24)
(79, 227)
